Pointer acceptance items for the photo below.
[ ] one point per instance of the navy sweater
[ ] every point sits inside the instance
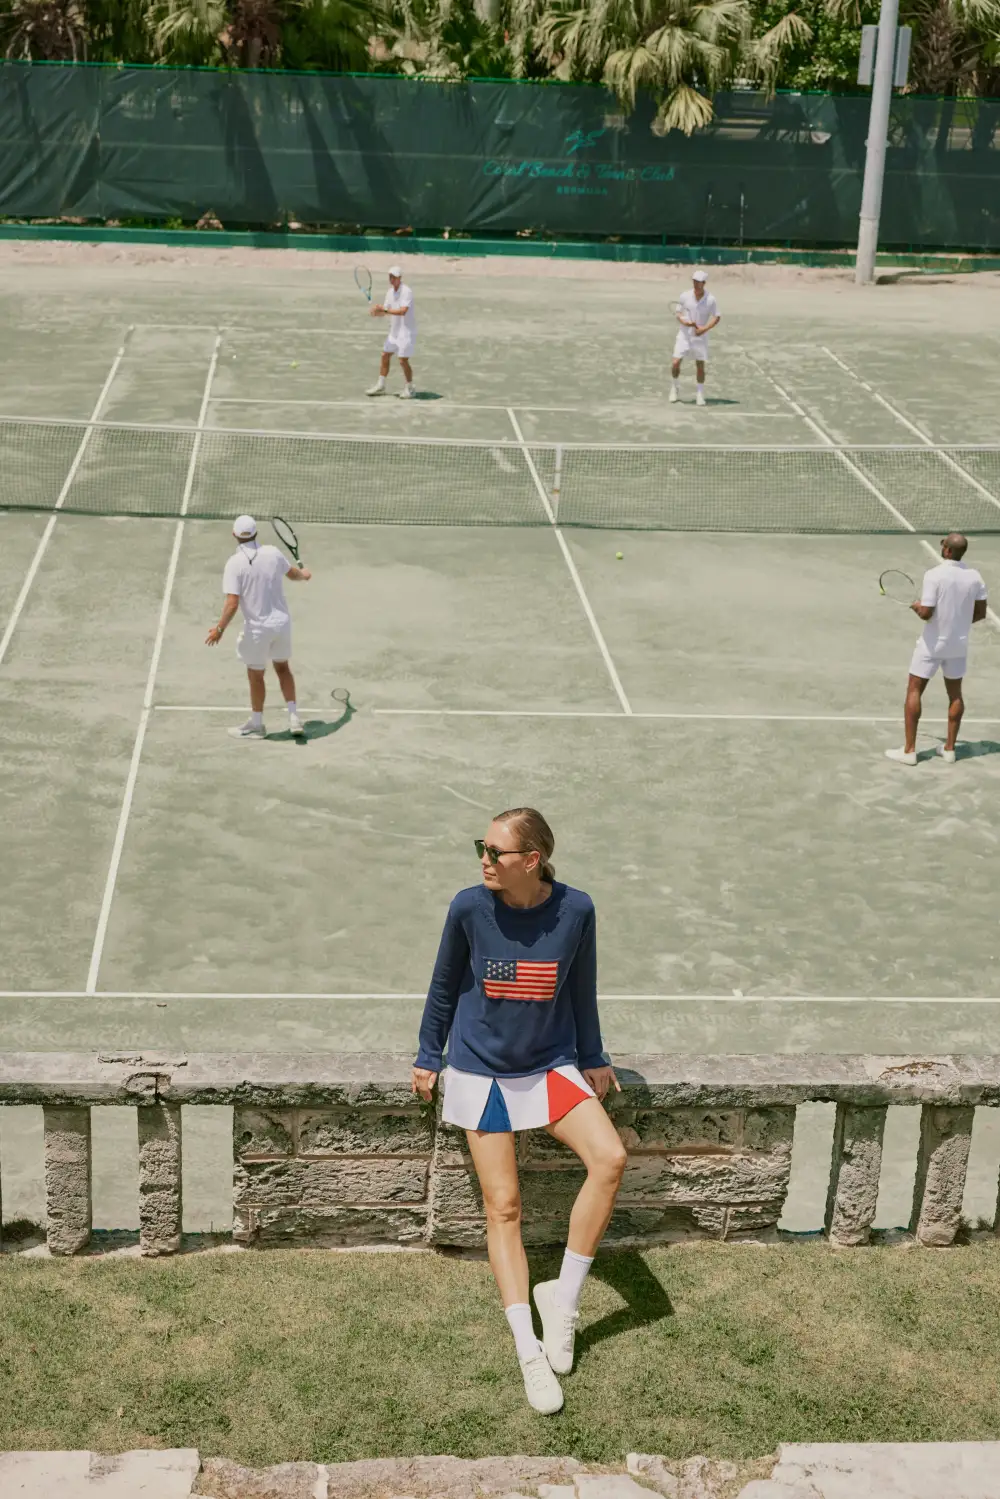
(499, 1016)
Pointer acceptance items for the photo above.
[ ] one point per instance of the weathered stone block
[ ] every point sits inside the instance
(267, 1133)
(365, 1132)
(684, 1129)
(942, 1161)
(855, 1169)
(696, 1220)
(67, 1179)
(329, 1227)
(753, 1218)
(326, 1183)
(769, 1130)
(160, 1199)
(726, 1179)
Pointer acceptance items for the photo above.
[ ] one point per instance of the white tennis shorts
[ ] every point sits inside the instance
(402, 346)
(256, 648)
(685, 343)
(500, 1105)
(925, 665)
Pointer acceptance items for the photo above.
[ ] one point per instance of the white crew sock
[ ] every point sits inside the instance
(519, 1317)
(701, 390)
(676, 379)
(571, 1279)
(290, 705)
(256, 719)
(380, 382)
(409, 385)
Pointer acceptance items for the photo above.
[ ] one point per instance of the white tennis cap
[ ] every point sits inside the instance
(244, 527)
(395, 270)
(700, 276)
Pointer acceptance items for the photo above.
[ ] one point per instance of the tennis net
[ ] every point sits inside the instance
(104, 468)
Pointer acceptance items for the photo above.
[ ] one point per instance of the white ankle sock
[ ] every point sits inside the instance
(256, 719)
(702, 389)
(380, 382)
(571, 1278)
(290, 705)
(519, 1317)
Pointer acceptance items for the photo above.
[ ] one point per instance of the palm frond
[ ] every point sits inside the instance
(684, 109)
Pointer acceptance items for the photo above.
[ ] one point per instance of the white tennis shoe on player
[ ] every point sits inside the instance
(673, 392)
(295, 724)
(540, 1385)
(407, 393)
(699, 399)
(378, 389)
(558, 1326)
(947, 755)
(902, 756)
(249, 730)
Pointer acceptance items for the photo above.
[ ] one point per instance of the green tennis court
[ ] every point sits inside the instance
(702, 720)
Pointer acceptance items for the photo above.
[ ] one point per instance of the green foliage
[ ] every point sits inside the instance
(824, 55)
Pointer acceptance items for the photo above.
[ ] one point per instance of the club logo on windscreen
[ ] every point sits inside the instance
(509, 978)
(579, 140)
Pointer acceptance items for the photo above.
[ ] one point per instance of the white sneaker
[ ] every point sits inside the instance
(902, 756)
(947, 755)
(673, 391)
(407, 393)
(295, 724)
(699, 399)
(376, 390)
(558, 1326)
(249, 730)
(541, 1385)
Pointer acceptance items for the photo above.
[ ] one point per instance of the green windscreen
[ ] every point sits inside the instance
(483, 158)
(113, 469)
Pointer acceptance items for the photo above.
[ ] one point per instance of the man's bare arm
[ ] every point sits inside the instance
(979, 610)
(708, 326)
(299, 574)
(229, 608)
(923, 611)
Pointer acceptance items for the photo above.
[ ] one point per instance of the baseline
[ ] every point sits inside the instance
(46, 535)
(147, 702)
(707, 717)
(734, 997)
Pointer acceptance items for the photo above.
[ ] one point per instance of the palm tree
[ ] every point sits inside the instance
(187, 32)
(445, 39)
(47, 30)
(956, 43)
(680, 51)
(336, 35)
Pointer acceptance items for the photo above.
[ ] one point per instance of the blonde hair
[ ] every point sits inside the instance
(534, 835)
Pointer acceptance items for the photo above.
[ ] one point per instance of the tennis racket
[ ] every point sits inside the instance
(342, 695)
(363, 281)
(679, 310)
(897, 586)
(287, 537)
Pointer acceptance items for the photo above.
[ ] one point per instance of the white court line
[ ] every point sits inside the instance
(147, 701)
(828, 440)
(716, 999)
(40, 550)
(445, 405)
(568, 559)
(703, 717)
(924, 437)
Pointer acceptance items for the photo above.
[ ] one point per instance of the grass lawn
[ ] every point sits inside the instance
(726, 1350)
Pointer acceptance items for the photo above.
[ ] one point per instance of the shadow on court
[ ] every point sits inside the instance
(426, 395)
(316, 728)
(977, 747)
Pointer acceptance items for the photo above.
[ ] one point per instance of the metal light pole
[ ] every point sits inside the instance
(878, 130)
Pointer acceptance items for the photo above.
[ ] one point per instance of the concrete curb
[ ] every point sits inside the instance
(890, 1470)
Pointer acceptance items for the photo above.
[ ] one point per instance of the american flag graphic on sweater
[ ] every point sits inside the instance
(507, 978)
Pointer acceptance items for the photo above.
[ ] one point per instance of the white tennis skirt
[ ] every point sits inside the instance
(499, 1105)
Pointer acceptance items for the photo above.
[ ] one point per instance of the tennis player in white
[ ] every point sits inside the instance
(402, 337)
(697, 314)
(254, 582)
(952, 600)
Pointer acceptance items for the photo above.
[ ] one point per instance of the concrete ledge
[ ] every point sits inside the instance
(264, 1080)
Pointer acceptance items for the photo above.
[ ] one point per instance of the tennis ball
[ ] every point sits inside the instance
(619, 555)
(295, 364)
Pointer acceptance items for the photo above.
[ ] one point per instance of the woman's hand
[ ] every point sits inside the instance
(422, 1083)
(601, 1079)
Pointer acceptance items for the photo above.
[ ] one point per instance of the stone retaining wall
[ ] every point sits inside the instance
(335, 1150)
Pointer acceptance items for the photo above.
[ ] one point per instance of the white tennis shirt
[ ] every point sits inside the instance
(701, 309)
(951, 589)
(257, 574)
(401, 298)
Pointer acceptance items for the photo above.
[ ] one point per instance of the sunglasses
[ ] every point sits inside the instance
(495, 854)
